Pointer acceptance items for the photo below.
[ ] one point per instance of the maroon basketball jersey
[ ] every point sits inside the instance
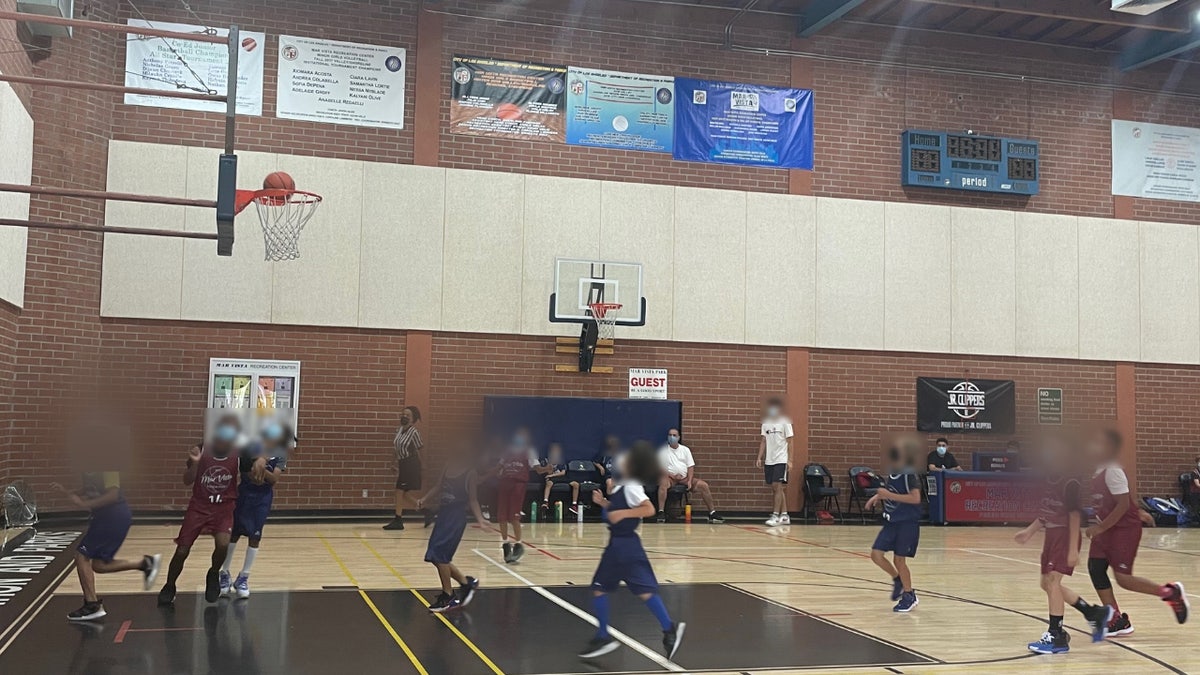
(216, 481)
(1104, 501)
(1060, 499)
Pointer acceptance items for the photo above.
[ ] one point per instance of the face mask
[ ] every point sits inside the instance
(773, 411)
(226, 432)
(520, 440)
(672, 439)
(272, 432)
(942, 449)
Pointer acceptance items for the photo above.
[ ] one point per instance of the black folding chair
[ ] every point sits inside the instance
(860, 494)
(820, 490)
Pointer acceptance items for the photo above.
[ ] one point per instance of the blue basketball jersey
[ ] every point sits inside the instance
(625, 496)
(455, 492)
(249, 488)
(902, 483)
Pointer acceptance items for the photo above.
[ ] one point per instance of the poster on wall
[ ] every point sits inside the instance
(340, 82)
(254, 384)
(746, 124)
(170, 65)
(648, 383)
(510, 99)
(949, 405)
(1155, 161)
(1050, 405)
(609, 109)
(992, 501)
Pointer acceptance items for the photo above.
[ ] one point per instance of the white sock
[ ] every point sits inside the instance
(251, 552)
(229, 557)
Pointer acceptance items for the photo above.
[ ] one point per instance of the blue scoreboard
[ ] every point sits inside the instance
(938, 159)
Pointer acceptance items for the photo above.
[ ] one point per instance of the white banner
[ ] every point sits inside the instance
(340, 82)
(1155, 161)
(155, 63)
(647, 383)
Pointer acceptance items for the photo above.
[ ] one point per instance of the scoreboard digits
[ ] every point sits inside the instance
(969, 162)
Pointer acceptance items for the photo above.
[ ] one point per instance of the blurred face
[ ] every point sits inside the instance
(772, 410)
(1099, 449)
(272, 433)
(942, 448)
(555, 454)
(227, 431)
(406, 417)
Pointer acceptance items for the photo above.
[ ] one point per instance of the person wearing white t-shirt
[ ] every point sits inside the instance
(775, 459)
(680, 469)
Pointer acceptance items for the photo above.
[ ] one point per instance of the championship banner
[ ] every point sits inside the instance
(164, 63)
(744, 124)
(608, 109)
(340, 82)
(1015, 499)
(947, 405)
(1155, 161)
(509, 99)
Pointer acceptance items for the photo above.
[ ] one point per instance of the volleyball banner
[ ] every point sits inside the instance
(626, 111)
(952, 405)
(747, 124)
(511, 99)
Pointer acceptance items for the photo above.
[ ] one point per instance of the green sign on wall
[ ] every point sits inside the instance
(1050, 406)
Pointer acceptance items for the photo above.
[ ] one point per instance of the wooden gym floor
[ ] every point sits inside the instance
(333, 598)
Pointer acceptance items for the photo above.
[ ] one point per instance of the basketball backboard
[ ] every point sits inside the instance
(579, 283)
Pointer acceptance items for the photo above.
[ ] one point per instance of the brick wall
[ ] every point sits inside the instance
(856, 395)
(14, 54)
(1168, 426)
(9, 316)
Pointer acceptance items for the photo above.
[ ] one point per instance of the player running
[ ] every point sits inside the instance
(255, 494)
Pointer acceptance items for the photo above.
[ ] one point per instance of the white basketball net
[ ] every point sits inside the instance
(605, 316)
(283, 214)
(20, 507)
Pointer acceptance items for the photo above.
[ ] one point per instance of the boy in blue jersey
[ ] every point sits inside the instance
(624, 559)
(901, 497)
(262, 465)
(455, 494)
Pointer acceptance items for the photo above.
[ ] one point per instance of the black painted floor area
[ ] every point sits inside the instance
(336, 631)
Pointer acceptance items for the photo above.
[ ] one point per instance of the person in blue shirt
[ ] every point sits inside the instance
(606, 462)
(261, 466)
(901, 532)
(624, 558)
(456, 494)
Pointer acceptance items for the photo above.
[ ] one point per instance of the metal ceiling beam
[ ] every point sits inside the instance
(821, 13)
(1158, 48)
(1073, 10)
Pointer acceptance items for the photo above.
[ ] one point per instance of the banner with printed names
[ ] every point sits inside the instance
(511, 99)
(1155, 161)
(179, 65)
(340, 82)
(627, 111)
(746, 124)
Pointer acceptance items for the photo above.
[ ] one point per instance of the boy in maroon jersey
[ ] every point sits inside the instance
(1060, 514)
(1116, 535)
(212, 471)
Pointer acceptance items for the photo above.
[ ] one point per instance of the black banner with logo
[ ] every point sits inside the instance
(950, 405)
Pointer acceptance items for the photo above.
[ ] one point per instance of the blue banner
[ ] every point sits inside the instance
(745, 124)
(608, 109)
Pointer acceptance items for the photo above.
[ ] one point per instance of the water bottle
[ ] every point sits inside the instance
(687, 513)
(533, 511)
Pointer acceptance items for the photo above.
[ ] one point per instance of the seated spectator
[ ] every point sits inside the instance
(941, 459)
(606, 462)
(1193, 493)
(680, 469)
(555, 471)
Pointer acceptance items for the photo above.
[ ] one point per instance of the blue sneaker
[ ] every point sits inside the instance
(907, 602)
(1051, 644)
(466, 592)
(1098, 618)
(226, 583)
(444, 603)
(242, 587)
(897, 589)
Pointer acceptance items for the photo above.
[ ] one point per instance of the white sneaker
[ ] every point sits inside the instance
(773, 520)
(785, 519)
(242, 587)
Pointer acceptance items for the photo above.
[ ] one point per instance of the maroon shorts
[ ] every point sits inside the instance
(1056, 547)
(509, 496)
(204, 521)
(1118, 546)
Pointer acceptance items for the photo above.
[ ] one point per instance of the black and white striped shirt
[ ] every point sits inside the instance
(407, 442)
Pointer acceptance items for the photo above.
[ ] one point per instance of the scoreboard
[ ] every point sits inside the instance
(954, 161)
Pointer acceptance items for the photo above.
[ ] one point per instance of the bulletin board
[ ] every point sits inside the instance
(254, 384)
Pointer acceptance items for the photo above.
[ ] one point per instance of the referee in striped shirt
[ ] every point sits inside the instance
(408, 465)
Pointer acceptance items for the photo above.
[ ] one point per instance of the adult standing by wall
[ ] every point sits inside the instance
(407, 444)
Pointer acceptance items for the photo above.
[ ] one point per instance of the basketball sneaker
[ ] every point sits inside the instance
(167, 595)
(242, 586)
(212, 584)
(661, 517)
(1051, 644)
(773, 520)
(672, 638)
(396, 524)
(91, 611)
(715, 518)
(908, 601)
(444, 602)
(226, 584)
(518, 551)
(897, 588)
(1098, 618)
(150, 567)
(466, 592)
(599, 646)
(1120, 626)
(1177, 599)
(508, 551)
(785, 519)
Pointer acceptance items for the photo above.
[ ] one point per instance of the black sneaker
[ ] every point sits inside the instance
(1120, 626)
(599, 646)
(212, 584)
(91, 611)
(150, 567)
(167, 595)
(715, 518)
(508, 551)
(1178, 601)
(1098, 618)
(396, 524)
(672, 638)
(518, 551)
(444, 603)
(466, 592)
(428, 516)
(662, 517)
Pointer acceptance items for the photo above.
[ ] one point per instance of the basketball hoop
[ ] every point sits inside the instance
(282, 214)
(605, 316)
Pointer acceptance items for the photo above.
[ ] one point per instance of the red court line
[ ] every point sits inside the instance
(532, 546)
(125, 629)
(120, 636)
(756, 530)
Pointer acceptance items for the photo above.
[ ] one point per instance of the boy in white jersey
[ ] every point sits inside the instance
(775, 459)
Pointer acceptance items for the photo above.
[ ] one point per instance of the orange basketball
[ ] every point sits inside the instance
(249, 44)
(278, 180)
(508, 111)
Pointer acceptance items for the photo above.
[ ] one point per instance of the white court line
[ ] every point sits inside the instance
(1001, 557)
(621, 637)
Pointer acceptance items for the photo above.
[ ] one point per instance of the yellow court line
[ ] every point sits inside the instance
(466, 640)
(378, 615)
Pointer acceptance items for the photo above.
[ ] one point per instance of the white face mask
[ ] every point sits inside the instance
(773, 411)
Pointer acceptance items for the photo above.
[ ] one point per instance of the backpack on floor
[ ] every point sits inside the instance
(1166, 513)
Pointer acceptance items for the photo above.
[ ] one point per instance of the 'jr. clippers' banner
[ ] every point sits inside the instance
(966, 405)
(747, 124)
